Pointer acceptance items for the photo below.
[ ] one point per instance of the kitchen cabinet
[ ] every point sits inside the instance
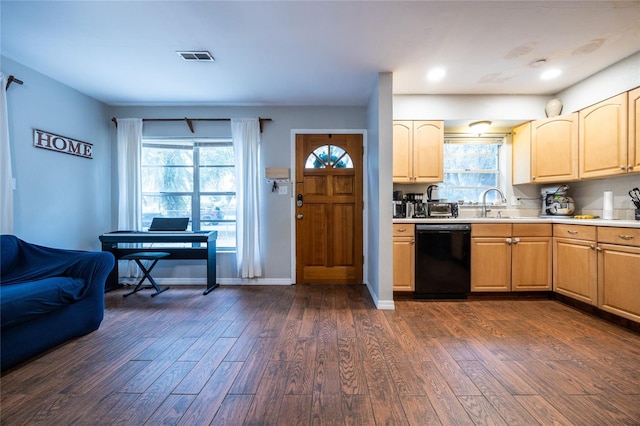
(418, 149)
(619, 271)
(604, 138)
(403, 257)
(546, 150)
(511, 257)
(554, 149)
(633, 151)
(575, 262)
(521, 154)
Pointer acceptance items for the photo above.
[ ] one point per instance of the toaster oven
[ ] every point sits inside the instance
(439, 209)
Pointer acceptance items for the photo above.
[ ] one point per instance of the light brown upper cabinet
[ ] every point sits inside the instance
(604, 138)
(554, 149)
(546, 150)
(633, 154)
(521, 154)
(418, 148)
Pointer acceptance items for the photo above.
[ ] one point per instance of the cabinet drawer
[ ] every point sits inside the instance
(532, 230)
(624, 236)
(491, 230)
(579, 232)
(403, 230)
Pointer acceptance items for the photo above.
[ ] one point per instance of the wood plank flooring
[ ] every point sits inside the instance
(323, 355)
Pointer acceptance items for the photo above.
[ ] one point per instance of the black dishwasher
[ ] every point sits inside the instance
(443, 261)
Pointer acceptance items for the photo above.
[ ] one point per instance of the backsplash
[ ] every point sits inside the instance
(588, 195)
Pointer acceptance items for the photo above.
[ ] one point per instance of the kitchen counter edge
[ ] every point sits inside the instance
(570, 221)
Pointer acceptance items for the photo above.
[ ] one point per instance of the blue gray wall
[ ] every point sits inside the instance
(60, 200)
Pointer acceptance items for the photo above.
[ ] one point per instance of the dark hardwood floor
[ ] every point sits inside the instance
(294, 355)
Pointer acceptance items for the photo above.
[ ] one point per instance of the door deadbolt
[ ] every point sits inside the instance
(299, 202)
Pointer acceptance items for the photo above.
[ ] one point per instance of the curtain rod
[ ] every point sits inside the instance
(190, 121)
(12, 79)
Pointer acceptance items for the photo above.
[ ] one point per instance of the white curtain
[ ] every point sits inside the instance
(246, 145)
(6, 177)
(129, 148)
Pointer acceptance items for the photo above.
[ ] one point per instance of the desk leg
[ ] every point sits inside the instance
(112, 279)
(211, 267)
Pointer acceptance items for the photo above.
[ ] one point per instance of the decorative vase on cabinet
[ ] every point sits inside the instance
(553, 108)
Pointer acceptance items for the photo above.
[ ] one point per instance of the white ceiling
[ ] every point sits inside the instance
(313, 52)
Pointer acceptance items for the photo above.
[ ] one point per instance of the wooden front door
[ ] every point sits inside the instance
(329, 208)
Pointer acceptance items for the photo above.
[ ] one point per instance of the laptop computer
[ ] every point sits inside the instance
(169, 224)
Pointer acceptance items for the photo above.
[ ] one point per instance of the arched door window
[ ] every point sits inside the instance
(328, 156)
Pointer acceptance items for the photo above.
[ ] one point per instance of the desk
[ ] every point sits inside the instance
(203, 247)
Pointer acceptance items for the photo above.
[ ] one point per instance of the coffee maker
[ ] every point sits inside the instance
(399, 205)
(555, 201)
(415, 206)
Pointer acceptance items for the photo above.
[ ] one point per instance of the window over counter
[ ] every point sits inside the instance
(471, 165)
(192, 178)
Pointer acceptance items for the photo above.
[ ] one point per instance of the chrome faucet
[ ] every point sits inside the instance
(484, 210)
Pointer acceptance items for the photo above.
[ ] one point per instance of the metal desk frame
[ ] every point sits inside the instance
(111, 240)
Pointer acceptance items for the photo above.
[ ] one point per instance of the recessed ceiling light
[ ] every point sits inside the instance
(436, 74)
(196, 55)
(551, 73)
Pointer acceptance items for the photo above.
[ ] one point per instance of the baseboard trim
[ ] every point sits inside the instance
(224, 281)
(380, 304)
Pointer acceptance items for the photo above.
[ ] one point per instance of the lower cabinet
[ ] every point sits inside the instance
(506, 257)
(619, 271)
(575, 263)
(403, 257)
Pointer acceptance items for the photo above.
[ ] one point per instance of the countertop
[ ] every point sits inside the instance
(535, 219)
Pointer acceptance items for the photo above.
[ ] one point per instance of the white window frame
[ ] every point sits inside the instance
(194, 144)
(498, 172)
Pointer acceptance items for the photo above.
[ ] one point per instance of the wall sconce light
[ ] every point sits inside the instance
(480, 127)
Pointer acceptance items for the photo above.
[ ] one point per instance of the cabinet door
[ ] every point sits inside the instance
(490, 264)
(633, 153)
(603, 138)
(521, 154)
(575, 269)
(428, 151)
(531, 264)
(402, 155)
(403, 264)
(618, 280)
(554, 149)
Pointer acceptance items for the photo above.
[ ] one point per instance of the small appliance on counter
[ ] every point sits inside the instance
(635, 199)
(432, 193)
(555, 202)
(415, 207)
(399, 205)
(399, 209)
(440, 209)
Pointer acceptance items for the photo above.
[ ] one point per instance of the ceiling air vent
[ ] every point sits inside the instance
(196, 56)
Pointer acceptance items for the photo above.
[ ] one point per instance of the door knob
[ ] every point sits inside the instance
(299, 217)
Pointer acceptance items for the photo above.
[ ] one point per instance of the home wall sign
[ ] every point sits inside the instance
(53, 142)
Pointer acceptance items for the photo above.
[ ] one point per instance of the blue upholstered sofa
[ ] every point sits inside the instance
(47, 296)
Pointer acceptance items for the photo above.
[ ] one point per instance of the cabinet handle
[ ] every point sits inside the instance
(625, 237)
(592, 247)
(508, 240)
(630, 167)
(623, 168)
(533, 178)
(516, 240)
(598, 249)
(401, 229)
(413, 242)
(572, 232)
